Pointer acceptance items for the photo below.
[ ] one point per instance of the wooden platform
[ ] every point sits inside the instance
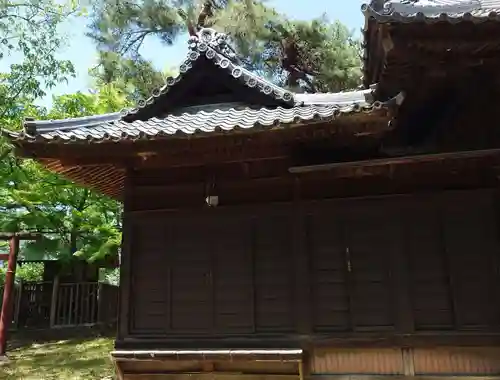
(205, 364)
(322, 364)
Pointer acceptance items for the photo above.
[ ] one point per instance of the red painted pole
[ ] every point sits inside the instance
(6, 313)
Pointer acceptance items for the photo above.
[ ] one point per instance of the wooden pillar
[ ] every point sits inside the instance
(100, 304)
(53, 301)
(6, 313)
(18, 304)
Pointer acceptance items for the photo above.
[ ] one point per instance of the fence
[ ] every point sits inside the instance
(34, 302)
(76, 304)
(51, 305)
(16, 304)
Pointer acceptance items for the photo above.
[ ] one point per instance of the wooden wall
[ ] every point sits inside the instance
(312, 272)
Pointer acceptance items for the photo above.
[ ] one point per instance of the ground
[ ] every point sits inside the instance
(75, 359)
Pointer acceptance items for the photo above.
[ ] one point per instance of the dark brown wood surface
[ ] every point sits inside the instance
(230, 272)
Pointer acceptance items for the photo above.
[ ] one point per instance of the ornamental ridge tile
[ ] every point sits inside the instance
(214, 46)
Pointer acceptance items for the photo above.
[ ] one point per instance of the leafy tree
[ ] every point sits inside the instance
(26, 272)
(313, 55)
(75, 220)
(28, 33)
(134, 77)
(29, 30)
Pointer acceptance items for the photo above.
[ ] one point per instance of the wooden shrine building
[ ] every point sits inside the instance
(276, 234)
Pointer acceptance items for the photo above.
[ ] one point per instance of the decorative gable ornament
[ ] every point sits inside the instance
(208, 37)
(214, 46)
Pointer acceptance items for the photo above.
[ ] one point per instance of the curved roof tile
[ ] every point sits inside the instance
(214, 46)
(187, 124)
(434, 11)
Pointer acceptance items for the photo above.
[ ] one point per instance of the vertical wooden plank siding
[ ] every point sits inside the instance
(329, 270)
(232, 275)
(274, 272)
(430, 291)
(471, 240)
(371, 237)
(479, 361)
(150, 276)
(383, 361)
(302, 266)
(374, 265)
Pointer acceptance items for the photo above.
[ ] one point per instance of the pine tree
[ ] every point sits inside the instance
(316, 55)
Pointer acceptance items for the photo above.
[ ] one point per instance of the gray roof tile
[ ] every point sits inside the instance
(435, 11)
(213, 46)
(297, 108)
(339, 98)
(114, 128)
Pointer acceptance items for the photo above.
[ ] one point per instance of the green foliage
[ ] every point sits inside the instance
(75, 220)
(122, 26)
(134, 77)
(26, 272)
(325, 50)
(74, 359)
(29, 30)
(110, 276)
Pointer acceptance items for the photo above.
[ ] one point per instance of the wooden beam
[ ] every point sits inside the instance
(456, 62)
(174, 159)
(114, 152)
(381, 168)
(20, 235)
(272, 355)
(192, 159)
(396, 161)
(209, 376)
(401, 377)
(222, 172)
(363, 340)
(224, 185)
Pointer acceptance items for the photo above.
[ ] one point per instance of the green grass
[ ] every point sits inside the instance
(67, 359)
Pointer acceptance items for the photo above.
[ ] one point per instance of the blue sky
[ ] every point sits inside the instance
(81, 51)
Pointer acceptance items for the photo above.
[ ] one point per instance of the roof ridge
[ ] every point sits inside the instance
(431, 7)
(202, 121)
(48, 125)
(213, 45)
(363, 98)
(397, 11)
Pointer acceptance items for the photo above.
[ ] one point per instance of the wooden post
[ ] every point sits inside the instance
(6, 313)
(100, 304)
(53, 301)
(7, 306)
(18, 304)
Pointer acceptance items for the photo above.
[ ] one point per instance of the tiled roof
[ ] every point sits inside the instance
(434, 11)
(211, 45)
(292, 108)
(201, 119)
